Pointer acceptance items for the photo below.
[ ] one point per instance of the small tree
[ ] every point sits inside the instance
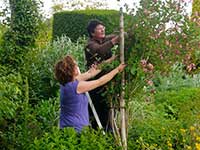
(22, 31)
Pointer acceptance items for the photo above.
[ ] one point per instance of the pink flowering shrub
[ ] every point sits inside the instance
(160, 34)
(163, 33)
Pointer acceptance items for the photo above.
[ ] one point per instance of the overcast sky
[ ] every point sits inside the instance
(112, 4)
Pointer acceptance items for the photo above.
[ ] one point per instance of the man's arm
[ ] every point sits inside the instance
(103, 48)
(110, 36)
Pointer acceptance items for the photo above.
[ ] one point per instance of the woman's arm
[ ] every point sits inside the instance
(85, 86)
(92, 72)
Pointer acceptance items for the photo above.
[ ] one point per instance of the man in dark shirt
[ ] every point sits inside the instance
(98, 49)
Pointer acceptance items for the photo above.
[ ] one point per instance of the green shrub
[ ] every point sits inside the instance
(22, 32)
(28, 123)
(2, 31)
(45, 33)
(169, 36)
(177, 78)
(11, 92)
(154, 41)
(73, 23)
(159, 124)
(47, 113)
(68, 139)
(39, 67)
(181, 105)
(195, 6)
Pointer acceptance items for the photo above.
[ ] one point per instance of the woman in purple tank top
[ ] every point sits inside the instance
(73, 85)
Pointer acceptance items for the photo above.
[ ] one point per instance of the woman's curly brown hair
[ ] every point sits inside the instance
(64, 70)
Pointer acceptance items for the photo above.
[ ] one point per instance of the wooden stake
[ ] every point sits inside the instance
(122, 102)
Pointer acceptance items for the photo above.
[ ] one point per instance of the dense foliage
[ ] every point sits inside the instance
(162, 88)
(40, 68)
(196, 6)
(169, 35)
(21, 33)
(68, 139)
(171, 121)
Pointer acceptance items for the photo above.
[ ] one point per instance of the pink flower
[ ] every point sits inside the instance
(150, 66)
(187, 57)
(191, 67)
(177, 52)
(167, 42)
(145, 69)
(146, 12)
(184, 36)
(161, 56)
(143, 62)
(150, 82)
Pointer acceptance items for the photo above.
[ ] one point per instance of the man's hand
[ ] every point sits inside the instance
(111, 59)
(115, 40)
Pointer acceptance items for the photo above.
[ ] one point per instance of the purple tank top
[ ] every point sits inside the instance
(74, 107)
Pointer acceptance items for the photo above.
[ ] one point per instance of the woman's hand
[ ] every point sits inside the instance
(94, 70)
(121, 67)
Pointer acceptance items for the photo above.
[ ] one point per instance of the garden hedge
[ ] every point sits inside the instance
(74, 23)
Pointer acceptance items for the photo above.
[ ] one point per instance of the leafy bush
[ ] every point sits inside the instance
(176, 79)
(169, 36)
(39, 66)
(158, 124)
(160, 35)
(47, 113)
(22, 32)
(45, 33)
(2, 31)
(11, 92)
(179, 104)
(68, 139)
(195, 6)
(28, 123)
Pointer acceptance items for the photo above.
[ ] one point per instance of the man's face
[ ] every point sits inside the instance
(99, 32)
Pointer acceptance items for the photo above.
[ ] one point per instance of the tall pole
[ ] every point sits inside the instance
(122, 101)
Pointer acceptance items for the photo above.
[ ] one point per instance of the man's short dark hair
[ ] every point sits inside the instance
(92, 25)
